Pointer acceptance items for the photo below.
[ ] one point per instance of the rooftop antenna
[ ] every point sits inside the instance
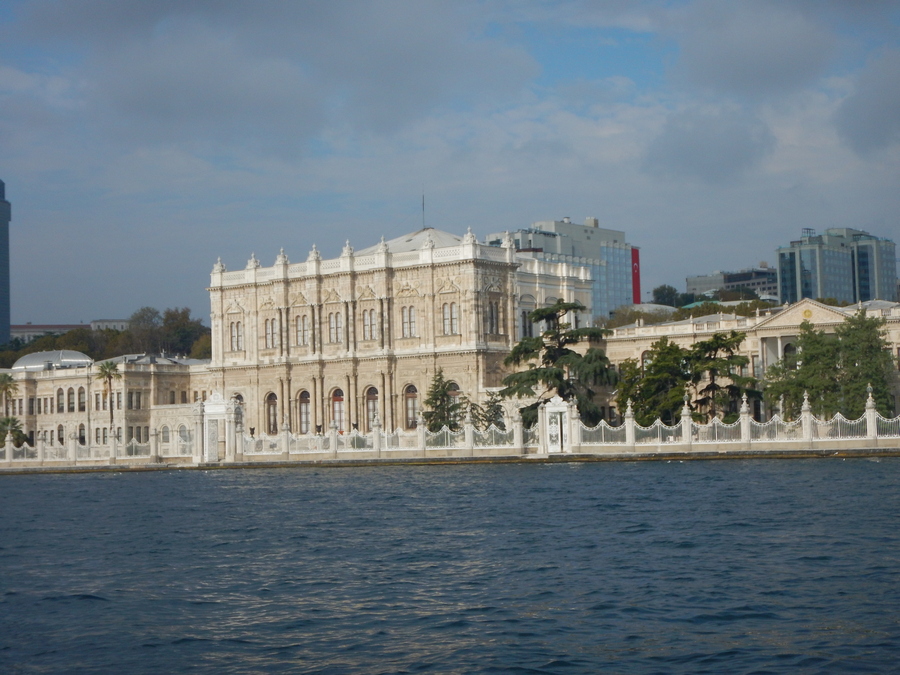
(423, 206)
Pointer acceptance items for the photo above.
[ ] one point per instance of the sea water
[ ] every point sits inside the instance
(757, 566)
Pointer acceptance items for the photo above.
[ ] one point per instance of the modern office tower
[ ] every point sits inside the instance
(614, 264)
(762, 279)
(5, 216)
(845, 264)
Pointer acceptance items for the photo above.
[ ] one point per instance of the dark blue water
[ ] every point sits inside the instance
(700, 567)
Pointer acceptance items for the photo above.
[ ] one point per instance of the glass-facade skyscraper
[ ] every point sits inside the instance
(5, 217)
(845, 264)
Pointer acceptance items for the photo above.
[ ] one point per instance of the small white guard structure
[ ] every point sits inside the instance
(216, 411)
(555, 425)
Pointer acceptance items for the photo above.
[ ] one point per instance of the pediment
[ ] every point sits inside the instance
(331, 295)
(366, 293)
(406, 290)
(448, 286)
(267, 304)
(491, 285)
(804, 310)
(234, 307)
(298, 299)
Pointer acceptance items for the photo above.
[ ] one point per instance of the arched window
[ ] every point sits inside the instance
(454, 319)
(81, 435)
(645, 360)
(97, 435)
(339, 324)
(271, 414)
(527, 328)
(446, 314)
(82, 399)
(183, 434)
(233, 336)
(332, 328)
(371, 407)
(61, 434)
(408, 321)
(71, 398)
(337, 408)
(303, 330)
(368, 317)
(270, 333)
(105, 436)
(165, 434)
(303, 412)
(240, 336)
(454, 393)
(411, 406)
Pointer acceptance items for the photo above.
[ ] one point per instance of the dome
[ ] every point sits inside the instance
(61, 358)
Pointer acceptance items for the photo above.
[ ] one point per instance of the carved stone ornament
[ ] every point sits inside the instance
(347, 250)
(383, 246)
(469, 238)
(253, 263)
(314, 254)
(218, 268)
(281, 258)
(429, 242)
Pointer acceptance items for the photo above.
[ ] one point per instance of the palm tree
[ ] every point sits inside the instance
(11, 425)
(109, 371)
(8, 388)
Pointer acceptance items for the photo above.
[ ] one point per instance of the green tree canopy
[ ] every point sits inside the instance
(444, 405)
(665, 295)
(834, 370)
(553, 367)
(715, 373)
(658, 391)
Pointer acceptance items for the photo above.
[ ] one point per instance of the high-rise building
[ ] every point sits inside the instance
(5, 217)
(614, 264)
(762, 279)
(845, 264)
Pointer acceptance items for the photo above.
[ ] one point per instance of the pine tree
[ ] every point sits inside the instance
(445, 408)
(811, 368)
(865, 359)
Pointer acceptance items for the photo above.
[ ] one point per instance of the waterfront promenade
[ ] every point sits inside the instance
(559, 435)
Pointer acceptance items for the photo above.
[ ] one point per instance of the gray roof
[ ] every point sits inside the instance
(414, 241)
(62, 358)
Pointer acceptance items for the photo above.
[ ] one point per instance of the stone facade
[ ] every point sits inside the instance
(339, 341)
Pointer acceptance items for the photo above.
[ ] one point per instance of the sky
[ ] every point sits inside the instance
(140, 141)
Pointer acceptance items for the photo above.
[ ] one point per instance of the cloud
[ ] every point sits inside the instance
(869, 119)
(276, 74)
(716, 146)
(753, 49)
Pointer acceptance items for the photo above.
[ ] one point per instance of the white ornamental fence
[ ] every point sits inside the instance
(559, 430)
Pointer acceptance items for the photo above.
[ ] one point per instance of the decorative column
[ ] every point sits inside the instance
(420, 432)
(629, 426)
(113, 445)
(39, 442)
(871, 415)
(376, 435)
(198, 432)
(806, 418)
(574, 421)
(542, 430)
(745, 423)
(333, 436)
(469, 433)
(9, 446)
(686, 424)
(518, 435)
(230, 431)
(286, 438)
(154, 446)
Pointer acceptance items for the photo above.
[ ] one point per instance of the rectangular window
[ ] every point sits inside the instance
(171, 398)
(131, 400)
(31, 406)
(39, 406)
(137, 400)
(96, 401)
(119, 400)
(184, 397)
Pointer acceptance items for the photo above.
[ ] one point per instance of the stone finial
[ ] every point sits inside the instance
(314, 254)
(870, 401)
(253, 263)
(383, 246)
(508, 241)
(429, 242)
(469, 238)
(686, 409)
(347, 250)
(805, 407)
(281, 258)
(376, 421)
(218, 268)
(745, 407)
(629, 410)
